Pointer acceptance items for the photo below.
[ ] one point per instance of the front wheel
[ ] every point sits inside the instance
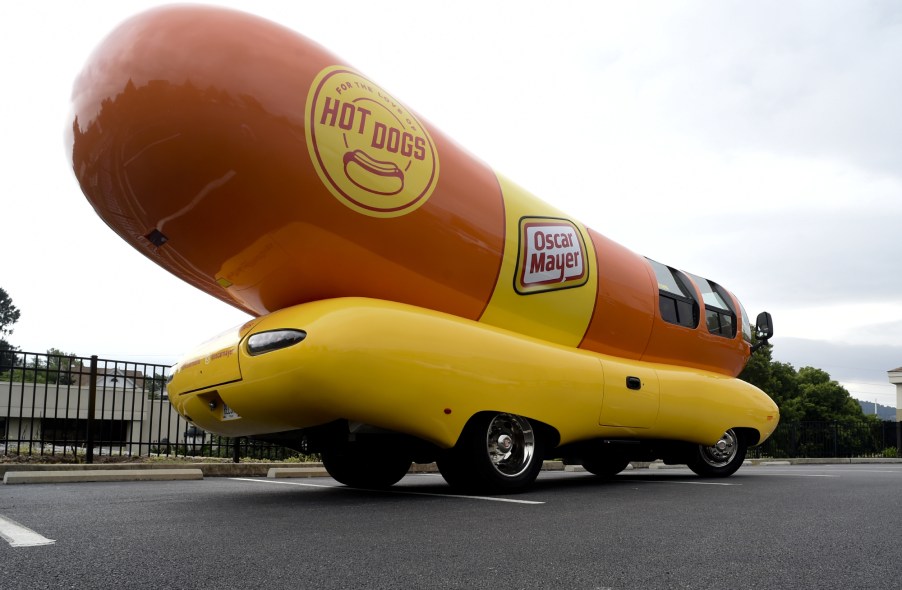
(721, 459)
(496, 453)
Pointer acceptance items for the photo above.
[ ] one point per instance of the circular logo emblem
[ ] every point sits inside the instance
(369, 150)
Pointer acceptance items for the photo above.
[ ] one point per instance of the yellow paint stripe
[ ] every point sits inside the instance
(559, 312)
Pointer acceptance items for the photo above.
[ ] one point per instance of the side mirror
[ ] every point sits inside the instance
(764, 330)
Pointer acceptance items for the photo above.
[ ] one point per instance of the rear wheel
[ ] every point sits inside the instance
(721, 459)
(496, 453)
(362, 465)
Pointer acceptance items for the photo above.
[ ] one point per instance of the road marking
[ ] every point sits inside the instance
(391, 491)
(688, 483)
(842, 470)
(896, 471)
(19, 536)
(802, 474)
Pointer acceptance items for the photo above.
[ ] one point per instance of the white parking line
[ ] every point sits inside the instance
(794, 474)
(19, 536)
(390, 491)
(894, 471)
(688, 483)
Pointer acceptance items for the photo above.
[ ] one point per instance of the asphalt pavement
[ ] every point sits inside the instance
(774, 526)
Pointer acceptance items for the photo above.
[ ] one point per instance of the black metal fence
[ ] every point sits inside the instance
(87, 407)
(832, 439)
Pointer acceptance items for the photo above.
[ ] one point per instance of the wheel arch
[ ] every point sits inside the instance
(750, 436)
(550, 435)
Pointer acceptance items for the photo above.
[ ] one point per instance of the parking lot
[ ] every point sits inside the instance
(812, 526)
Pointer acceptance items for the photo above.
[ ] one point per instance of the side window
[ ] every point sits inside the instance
(746, 325)
(720, 317)
(676, 296)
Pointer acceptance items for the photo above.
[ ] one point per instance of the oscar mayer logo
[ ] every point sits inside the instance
(369, 150)
(552, 256)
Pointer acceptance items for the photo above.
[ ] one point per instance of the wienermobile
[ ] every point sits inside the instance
(409, 303)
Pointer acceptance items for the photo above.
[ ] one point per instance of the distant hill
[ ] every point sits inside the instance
(884, 412)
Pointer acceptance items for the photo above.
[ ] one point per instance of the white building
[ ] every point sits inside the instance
(895, 377)
(130, 420)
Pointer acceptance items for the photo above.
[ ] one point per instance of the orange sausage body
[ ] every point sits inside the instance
(255, 165)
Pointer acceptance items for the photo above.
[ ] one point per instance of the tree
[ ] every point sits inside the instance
(776, 378)
(9, 314)
(818, 416)
(820, 398)
(62, 367)
(56, 367)
(8, 357)
(759, 370)
(808, 394)
(155, 386)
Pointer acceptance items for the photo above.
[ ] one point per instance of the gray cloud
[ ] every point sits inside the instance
(816, 79)
(851, 362)
(862, 368)
(811, 257)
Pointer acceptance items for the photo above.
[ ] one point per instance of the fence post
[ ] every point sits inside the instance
(835, 439)
(236, 450)
(793, 439)
(92, 404)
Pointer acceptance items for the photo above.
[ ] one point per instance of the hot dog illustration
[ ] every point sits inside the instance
(397, 283)
(372, 175)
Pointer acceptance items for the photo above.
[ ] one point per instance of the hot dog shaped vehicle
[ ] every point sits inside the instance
(410, 304)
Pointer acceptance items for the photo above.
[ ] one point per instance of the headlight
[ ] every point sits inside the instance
(263, 342)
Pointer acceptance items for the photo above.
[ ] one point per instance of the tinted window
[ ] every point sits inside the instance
(676, 298)
(720, 317)
(720, 323)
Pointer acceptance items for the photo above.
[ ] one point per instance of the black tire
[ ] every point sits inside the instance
(721, 459)
(366, 466)
(496, 453)
(606, 465)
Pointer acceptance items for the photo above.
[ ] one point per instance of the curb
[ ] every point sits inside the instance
(208, 469)
(282, 472)
(94, 475)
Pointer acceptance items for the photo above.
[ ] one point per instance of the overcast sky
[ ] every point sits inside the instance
(753, 143)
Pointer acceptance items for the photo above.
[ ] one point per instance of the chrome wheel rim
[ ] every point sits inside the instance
(721, 453)
(510, 444)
